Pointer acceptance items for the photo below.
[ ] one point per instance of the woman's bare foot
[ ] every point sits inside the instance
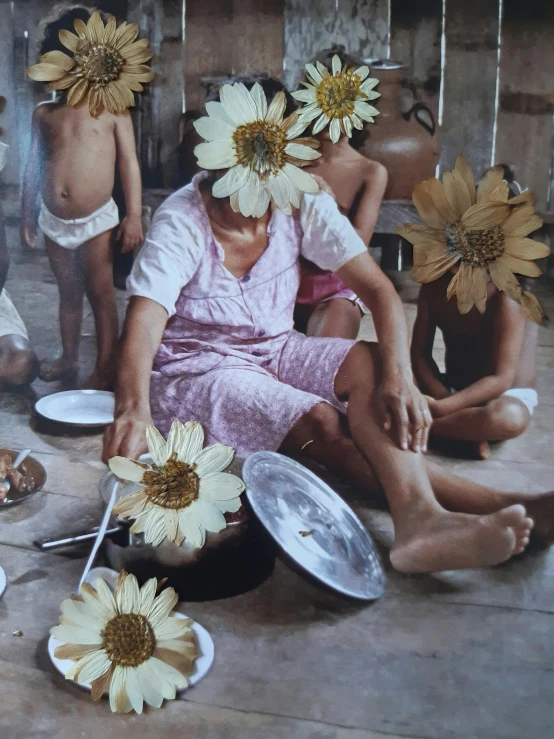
(100, 379)
(455, 541)
(57, 369)
(540, 507)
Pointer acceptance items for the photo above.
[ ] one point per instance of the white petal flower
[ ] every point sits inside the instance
(185, 492)
(338, 98)
(137, 652)
(253, 141)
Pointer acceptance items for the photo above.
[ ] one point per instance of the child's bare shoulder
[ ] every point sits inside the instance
(373, 172)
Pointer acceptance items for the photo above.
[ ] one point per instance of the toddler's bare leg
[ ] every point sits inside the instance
(67, 268)
(338, 317)
(98, 264)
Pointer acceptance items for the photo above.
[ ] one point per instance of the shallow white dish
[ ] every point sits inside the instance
(83, 408)
(3, 581)
(204, 641)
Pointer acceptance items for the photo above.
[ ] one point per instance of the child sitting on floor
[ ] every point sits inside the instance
(488, 390)
(78, 141)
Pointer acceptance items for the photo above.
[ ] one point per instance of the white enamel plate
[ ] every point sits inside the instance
(204, 641)
(83, 408)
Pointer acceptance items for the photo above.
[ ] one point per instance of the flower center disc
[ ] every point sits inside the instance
(336, 94)
(172, 485)
(476, 247)
(261, 146)
(128, 639)
(101, 64)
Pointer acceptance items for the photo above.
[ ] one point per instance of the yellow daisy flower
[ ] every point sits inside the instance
(126, 643)
(108, 65)
(338, 99)
(481, 231)
(185, 492)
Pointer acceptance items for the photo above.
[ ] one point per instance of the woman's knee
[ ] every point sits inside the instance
(508, 417)
(316, 432)
(360, 370)
(18, 361)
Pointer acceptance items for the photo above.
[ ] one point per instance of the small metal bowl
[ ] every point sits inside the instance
(38, 473)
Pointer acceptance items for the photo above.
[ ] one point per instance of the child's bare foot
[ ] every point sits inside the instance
(454, 541)
(57, 369)
(100, 379)
(460, 449)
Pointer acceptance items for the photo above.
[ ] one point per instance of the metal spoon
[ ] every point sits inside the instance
(21, 457)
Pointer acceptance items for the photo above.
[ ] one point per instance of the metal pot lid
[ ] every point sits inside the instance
(387, 64)
(313, 525)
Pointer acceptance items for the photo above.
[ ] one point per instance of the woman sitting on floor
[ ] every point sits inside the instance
(223, 267)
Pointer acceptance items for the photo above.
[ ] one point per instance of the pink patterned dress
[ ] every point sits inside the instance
(229, 357)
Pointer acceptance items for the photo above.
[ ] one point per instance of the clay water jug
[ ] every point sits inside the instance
(407, 144)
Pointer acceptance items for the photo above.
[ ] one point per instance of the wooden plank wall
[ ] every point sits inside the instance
(226, 37)
(469, 82)
(524, 127)
(362, 26)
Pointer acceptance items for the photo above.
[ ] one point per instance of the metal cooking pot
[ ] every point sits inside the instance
(233, 561)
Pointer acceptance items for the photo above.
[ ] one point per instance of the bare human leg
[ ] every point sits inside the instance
(67, 269)
(98, 265)
(428, 537)
(18, 361)
(500, 419)
(338, 317)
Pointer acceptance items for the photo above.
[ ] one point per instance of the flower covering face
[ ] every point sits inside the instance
(339, 99)
(107, 66)
(259, 148)
(479, 230)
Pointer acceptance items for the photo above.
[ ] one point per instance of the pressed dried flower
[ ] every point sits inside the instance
(479, 230)
(107, 67)
(126, 643)
(185, 492)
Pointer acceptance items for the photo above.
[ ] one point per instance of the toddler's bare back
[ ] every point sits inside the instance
(79, 155)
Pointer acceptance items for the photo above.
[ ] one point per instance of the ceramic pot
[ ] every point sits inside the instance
(407, 144)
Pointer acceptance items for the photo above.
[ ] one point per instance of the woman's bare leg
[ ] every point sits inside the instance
(98, 264)
(428, 537)
(338, 317)
(67, 269)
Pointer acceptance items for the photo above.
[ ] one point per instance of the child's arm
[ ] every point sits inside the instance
(31, 184)
(367, 210)
(509, 326)
(130, 229)
(426, 372)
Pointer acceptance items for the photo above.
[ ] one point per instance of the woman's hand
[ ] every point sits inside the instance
(28, 233)
(126, 437)
(400, 403)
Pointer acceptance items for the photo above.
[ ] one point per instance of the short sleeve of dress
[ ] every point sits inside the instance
(168, 259)
(329, 240)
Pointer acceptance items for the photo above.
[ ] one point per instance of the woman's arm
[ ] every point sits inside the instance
(31, 184)
(509, 326)
(367, 210)
(397, 398)
(130, 228)
(426, 372)
(142, 334)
